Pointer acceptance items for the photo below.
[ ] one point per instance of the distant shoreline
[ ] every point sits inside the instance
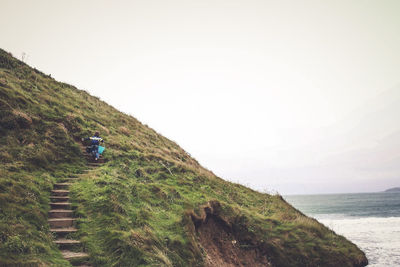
(392, 190)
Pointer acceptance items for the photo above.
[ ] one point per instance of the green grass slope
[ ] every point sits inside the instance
(146, 205)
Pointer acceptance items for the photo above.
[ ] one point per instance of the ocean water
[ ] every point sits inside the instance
(369, 220)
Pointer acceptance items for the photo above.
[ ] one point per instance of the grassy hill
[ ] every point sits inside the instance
(151, 204)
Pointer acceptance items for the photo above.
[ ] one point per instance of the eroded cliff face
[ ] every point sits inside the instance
(222, 245)
(150, 204)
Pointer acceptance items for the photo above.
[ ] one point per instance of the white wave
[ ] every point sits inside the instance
(378, 237)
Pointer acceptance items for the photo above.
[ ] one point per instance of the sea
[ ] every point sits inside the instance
(369, 220)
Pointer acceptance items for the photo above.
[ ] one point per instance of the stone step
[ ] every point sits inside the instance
(90, 159)
(66, 241)
(99, 161)
(60, 205)
(63, 231)
(61, 222)
(69, 255)
(60, 186)
(59, 198)
(90, 156)
(69, 180)
(60, 192)
(63, 243)
(60, 214)
(94, 164)
(92, 167)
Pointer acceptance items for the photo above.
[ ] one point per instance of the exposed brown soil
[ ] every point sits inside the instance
(221, 246)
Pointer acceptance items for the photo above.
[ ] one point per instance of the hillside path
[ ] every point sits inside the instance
(62, 220)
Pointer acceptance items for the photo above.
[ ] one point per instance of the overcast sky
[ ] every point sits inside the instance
(288, 96)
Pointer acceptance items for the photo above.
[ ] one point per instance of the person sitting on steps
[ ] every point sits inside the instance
(94, 144)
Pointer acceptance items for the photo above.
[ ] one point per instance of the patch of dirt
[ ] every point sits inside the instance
(63, 128)
(221, 246)
(124, 131)
(22, 119)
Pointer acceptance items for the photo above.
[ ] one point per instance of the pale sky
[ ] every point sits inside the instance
(288, 96)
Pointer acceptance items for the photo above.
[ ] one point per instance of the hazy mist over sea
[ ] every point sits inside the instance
(290, 96)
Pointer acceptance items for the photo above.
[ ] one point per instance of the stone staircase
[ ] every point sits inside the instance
(62, 221)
